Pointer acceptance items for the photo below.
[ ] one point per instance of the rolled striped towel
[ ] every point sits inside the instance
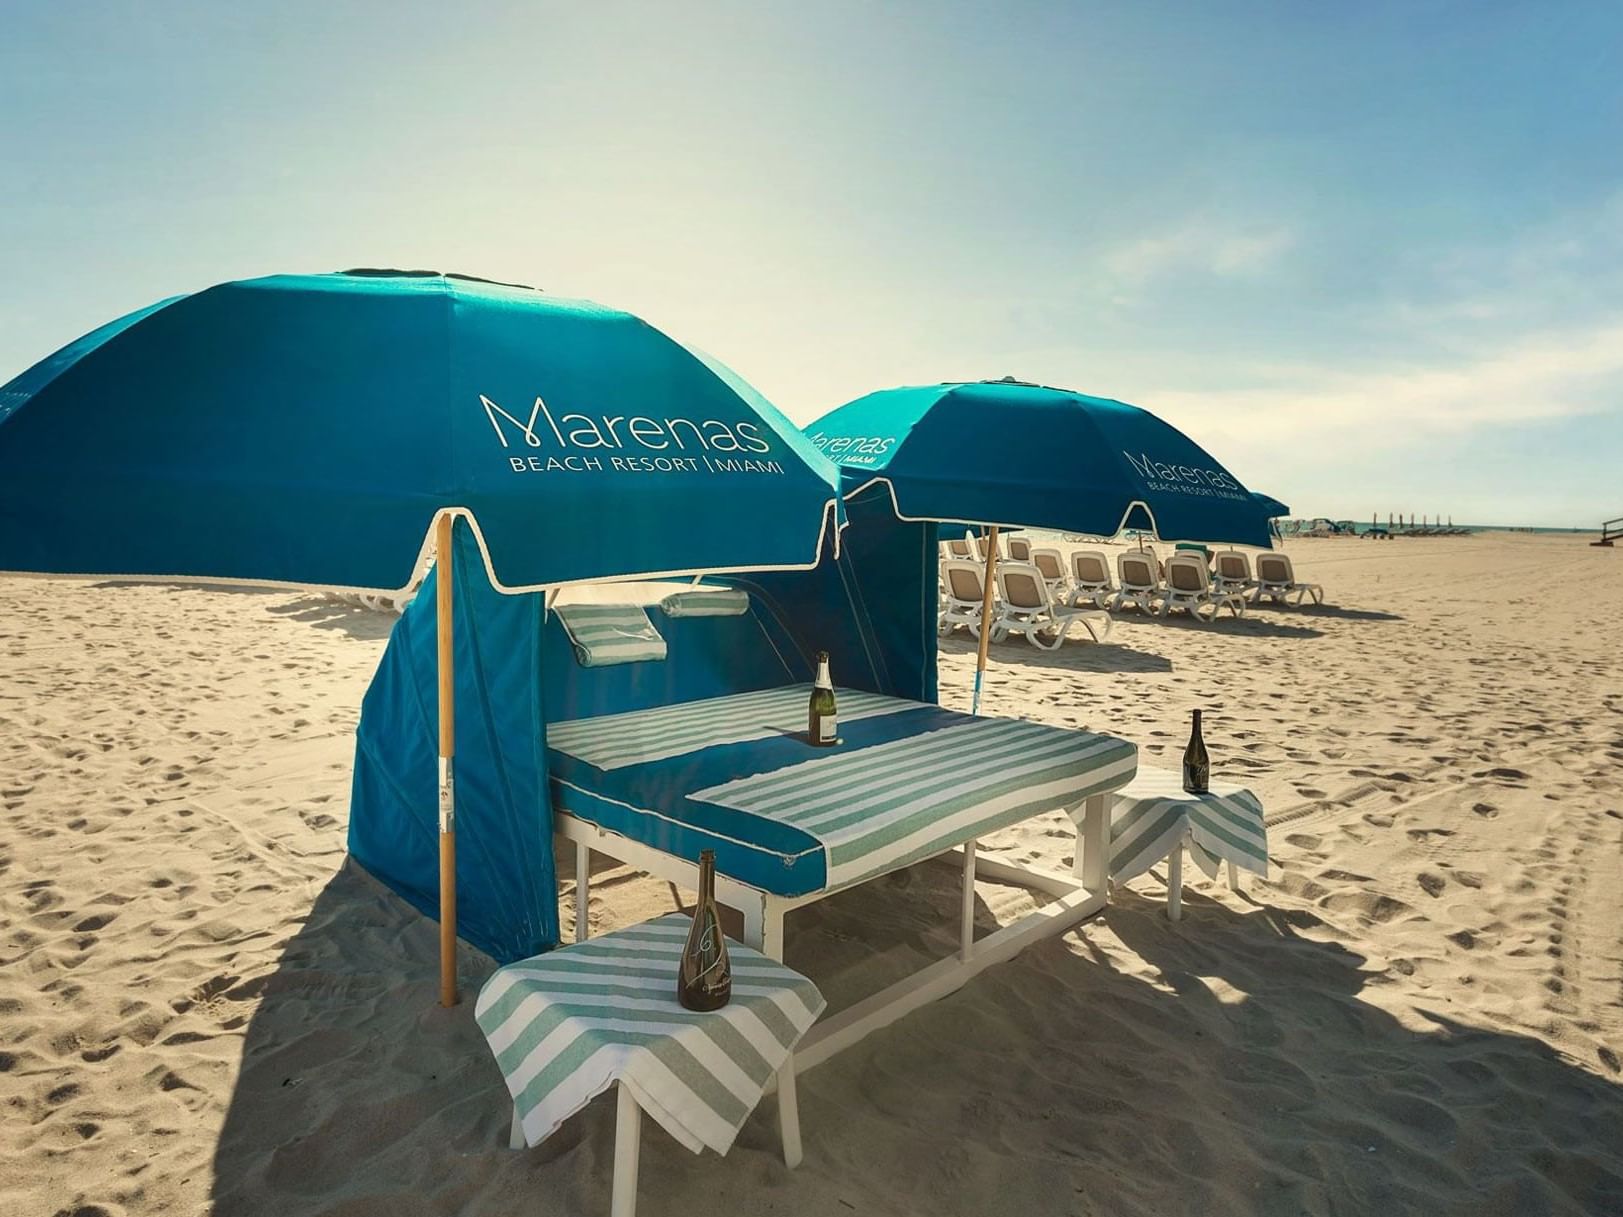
(706, 604)
(605, 634)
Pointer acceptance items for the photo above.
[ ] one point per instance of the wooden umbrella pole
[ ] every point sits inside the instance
(447, 674)
(989, 581)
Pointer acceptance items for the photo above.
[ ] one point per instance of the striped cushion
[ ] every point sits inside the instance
(606, 634)
(706, 604)
(635, 737)
(566, 1026)
(880, 808)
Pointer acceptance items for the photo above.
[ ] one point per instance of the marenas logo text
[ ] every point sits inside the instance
(634, 443)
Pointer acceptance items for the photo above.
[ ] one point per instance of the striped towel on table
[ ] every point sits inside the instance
(612, 741)
(606, 634)
(879, 808)
(1151, 815)
(566, 1026)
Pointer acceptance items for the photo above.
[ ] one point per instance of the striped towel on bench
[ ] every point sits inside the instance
(566, 1026)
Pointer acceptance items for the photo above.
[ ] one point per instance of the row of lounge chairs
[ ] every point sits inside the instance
(1026, 603)
(1055, 594)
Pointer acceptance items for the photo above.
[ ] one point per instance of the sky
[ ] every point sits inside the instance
(1370, 256)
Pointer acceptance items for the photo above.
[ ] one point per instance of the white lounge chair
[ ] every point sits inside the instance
(1277, 580)
(1052, 565)
(1090, 578)
(961, 598)
(1019, 549)
(1231, 571)
(960, 550)
(1139, 579)
(1189, 587)
(980, 547)
(1029, 608)
(1144, 547)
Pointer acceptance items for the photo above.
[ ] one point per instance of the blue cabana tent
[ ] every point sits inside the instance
(872, 608)
(312, 430)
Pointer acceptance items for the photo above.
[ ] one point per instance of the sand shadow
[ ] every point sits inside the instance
(325, 613)
(213, 589)
(1073, 656)
(1057, 1082)
(1248, 626)
(1334, 611)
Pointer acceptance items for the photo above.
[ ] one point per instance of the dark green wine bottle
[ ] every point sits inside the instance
(1197, 766)
(704, 980)
(822, 723)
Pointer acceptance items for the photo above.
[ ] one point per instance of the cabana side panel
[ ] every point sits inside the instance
(507, 889)
(873, 609)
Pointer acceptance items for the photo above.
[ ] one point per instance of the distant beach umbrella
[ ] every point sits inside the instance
(313, 430)
(1009, 454)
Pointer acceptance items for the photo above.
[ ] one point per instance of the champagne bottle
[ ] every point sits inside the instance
(704, 981)
(822, 723)
(1197, 766)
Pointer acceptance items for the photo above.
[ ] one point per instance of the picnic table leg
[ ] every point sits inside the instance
(789, 1114)
(1092, 863)
(771, 930)
(966, 925)
(515, 1135)
(583, 889)
(1175, 882)
(627, 1144)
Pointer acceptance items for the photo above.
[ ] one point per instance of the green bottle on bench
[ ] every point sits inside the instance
(704, 980)
(822, 723)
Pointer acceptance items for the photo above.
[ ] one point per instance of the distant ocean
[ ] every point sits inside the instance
(1360, 529)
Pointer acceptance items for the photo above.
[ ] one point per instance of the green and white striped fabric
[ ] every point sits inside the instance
(568, 1025)
(1151, 816)
(730, 603)
(880, 808)
(612, 741)
(606, 634)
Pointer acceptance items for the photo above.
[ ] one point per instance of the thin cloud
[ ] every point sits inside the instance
(1198, 246)
(1555, 374)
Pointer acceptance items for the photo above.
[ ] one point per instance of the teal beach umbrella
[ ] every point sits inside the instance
(317, 430)
(306, 430)
(1005, 453)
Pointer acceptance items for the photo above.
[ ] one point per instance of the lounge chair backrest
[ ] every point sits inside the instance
(1275, 568)
(960, 549)
(1020, 549)
(1233, 565)
(1022, 586)
(964, 581)
(1088, 565)
(1048, 562)
(1187, 573)
(980, 547)
(1136, 569)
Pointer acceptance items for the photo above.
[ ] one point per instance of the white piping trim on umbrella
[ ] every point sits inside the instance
(829, 508)
(897, 507)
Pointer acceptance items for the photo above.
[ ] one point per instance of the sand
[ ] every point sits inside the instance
(202, 1009)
